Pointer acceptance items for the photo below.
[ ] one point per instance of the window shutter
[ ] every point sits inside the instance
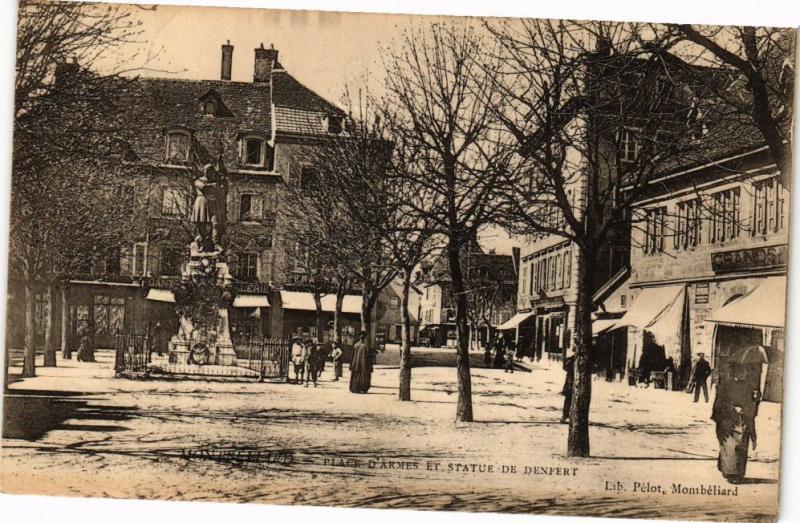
(256, 207)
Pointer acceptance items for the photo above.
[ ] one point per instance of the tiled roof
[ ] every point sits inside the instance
(288, 92)
(290, 120)
(155, 105)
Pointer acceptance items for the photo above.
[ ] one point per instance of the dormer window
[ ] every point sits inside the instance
(178, 146)
(255, 152)
(209, 108)
(335, 124)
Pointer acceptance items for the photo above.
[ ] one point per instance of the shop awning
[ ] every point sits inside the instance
(304, 301)
(251, 300)
(764, 306)
(601, 326)
(649, 305)
(515, 320)
(161, 295)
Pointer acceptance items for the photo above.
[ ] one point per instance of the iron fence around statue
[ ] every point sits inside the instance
(257, 358)
(132, 355)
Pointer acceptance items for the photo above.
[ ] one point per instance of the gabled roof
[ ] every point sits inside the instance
(288, 92)
(154, 105)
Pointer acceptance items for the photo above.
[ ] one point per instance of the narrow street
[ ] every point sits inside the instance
(80, 431)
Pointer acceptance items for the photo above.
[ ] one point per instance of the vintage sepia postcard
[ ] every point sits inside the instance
(508, 265)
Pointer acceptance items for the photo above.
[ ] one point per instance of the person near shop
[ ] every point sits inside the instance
(569, 382)
(500, 353)
(314, 354)
(86, 346)
(298, 359)
(742, 377)
(511, 355)
(361, 366)
(700, 374)
(336, 358)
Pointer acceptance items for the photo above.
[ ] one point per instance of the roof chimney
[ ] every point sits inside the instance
(265, 61)
(227, 60)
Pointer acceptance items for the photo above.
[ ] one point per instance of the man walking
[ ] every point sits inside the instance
(569, 383)
(701, 372)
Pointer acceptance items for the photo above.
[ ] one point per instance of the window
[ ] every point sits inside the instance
(655, 230)
(109, 314)
(250, 207)
(247, 267)
(174, 202)
(767, 207)
(254, 151)
(524, 282)
(394, 302)
(178, 146)
(724, 216)
(335, 124)
(78, 318)
(567, 267)
(210, 107)
(170, 262)
(534, 275)
(687, 230)
(623, 301)
(629, 146)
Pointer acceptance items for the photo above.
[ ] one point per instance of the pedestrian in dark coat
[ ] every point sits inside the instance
(700, 373)
(361, 366)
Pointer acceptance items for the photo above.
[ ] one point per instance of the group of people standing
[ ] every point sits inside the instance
(309, 357)
(501, 353)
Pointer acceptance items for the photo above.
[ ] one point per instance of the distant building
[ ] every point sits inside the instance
(389, 312)
(491, 283)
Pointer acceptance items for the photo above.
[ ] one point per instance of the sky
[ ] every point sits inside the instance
(326, 51)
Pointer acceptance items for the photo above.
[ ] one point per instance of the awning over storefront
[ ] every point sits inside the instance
(650, 305)
(250, 300)
(161, 295)
(515, 320)
(304, 301)
(659, 311)
(764, 306)
(601, 326)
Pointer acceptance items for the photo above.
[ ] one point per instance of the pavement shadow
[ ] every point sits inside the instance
(29, 415)
(757, 481)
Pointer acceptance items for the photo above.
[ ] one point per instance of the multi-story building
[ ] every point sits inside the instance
(251, 132)
(708, 270)
(491, 283)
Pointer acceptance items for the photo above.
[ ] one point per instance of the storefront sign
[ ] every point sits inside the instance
(774, 256)
(252, 288)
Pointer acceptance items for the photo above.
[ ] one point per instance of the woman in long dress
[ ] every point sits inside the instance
(741, 382)
(361, 367)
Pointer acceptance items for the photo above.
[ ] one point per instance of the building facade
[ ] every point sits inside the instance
(708, 274)
(254, 133)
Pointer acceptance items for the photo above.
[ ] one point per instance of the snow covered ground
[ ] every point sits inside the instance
(76, 430)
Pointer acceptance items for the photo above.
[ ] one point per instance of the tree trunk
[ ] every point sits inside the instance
(29, 358)
(464, 408)
(404, 393)
(65, 350)
(337, 313)
(318, 307)
(50, 334)
(578, 439)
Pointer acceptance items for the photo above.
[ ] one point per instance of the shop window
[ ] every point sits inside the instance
(78, 319)
(109, 315)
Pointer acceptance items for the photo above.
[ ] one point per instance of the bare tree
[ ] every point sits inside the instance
(66, 205)
(596, 117)
(434, 79)
(756, 74)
